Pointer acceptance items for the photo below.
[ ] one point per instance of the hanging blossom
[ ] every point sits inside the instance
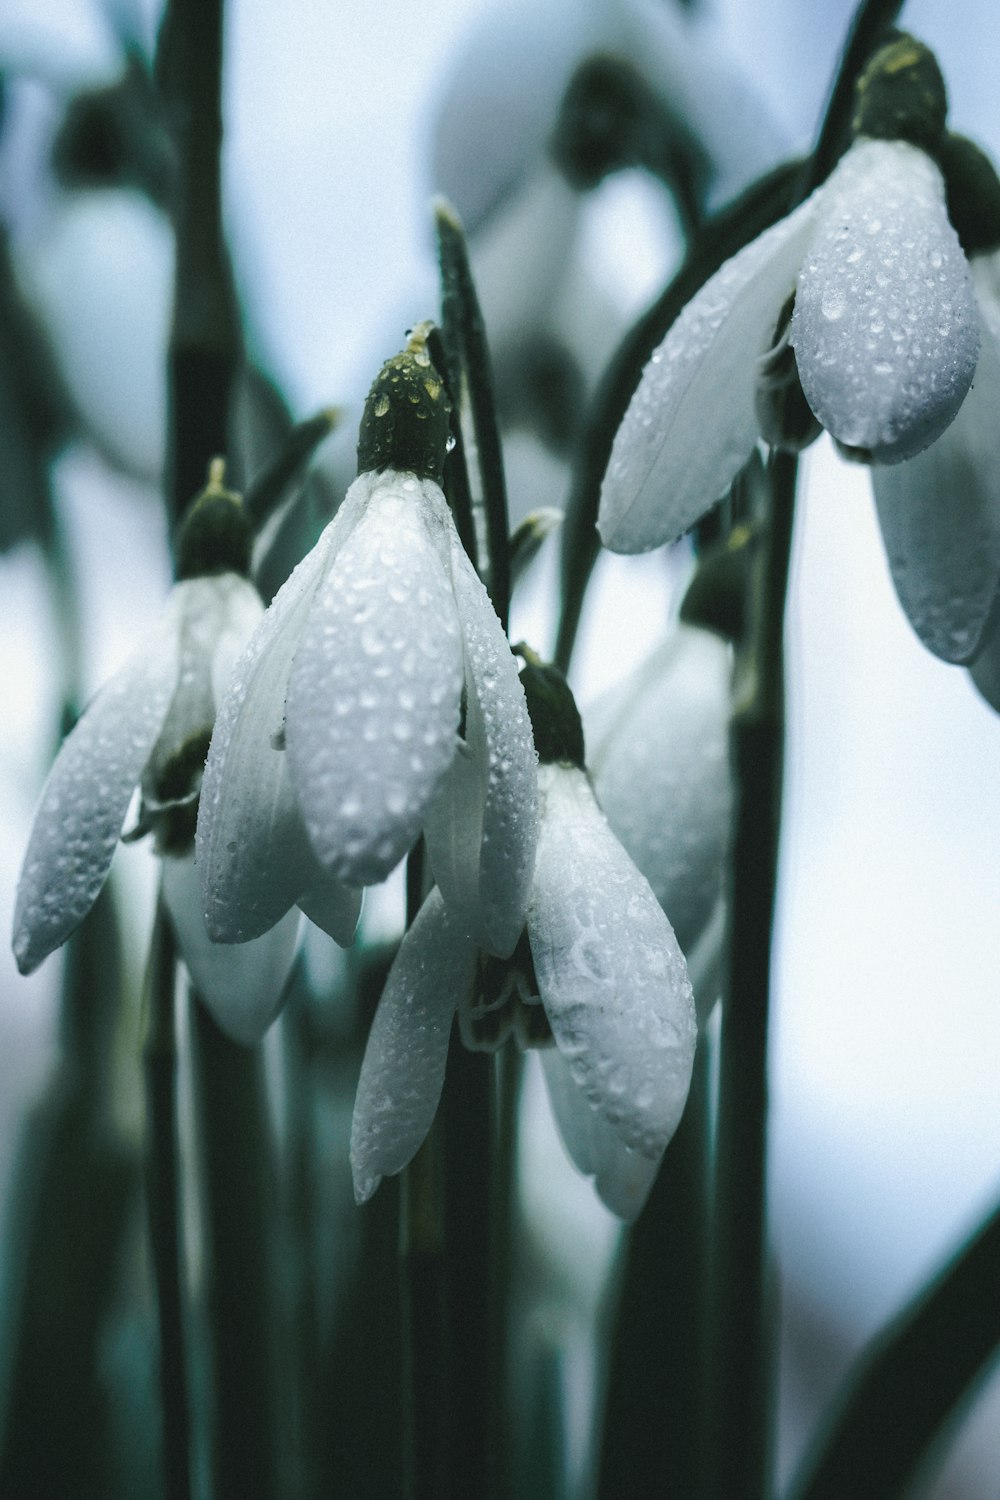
(860, 301)
(659, 759)
(598, 957)
(377, 699)
(939, 513)
(149, 727)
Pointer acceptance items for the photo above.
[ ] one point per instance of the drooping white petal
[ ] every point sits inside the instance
(622, 1177)
(85, 799)
(610, 973)
(661, 772)
(692, 422)
(403, 1068)
(885, 328)
(940, 520)
(333, 906)
(252, 852)
(217, 616)
(242, 984)
(482, 828)
(375, 688)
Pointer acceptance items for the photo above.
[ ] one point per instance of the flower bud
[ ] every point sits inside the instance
(555, 718)
(215, 535)
(902, 96)
(972, 193)
(405, 424)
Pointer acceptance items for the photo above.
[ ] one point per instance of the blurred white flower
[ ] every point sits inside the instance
(339, 740)
(149, 727)
(658, 751)
(610, 976)
(885, 332)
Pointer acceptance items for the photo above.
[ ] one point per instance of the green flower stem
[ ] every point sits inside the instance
(468, 1106)
(652, 1440)
(739, 1371)
(205, 343)
(426, 1428)
(163, 1206)
(239, 1217)
(911, 1380)
(471, 383)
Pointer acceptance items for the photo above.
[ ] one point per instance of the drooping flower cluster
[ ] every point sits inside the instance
(341, 737)
(863, 299)
(600, 956)
(149, 727)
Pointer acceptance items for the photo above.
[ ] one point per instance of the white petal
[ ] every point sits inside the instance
(243, 984)
(885, 329)
(333, 906)
(940, 520)
(217, 616)
(611, 976)
(252, 852)
(375, 688)
(661, 772)
(85, 799)
(482, 828)
(692, 422)
(622, 1177)
(403, 1068)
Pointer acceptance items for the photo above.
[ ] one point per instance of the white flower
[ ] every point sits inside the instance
(148, 727)
(340, 737)
(939, 513)
(885, 332)
(610, 976)
(658, 751)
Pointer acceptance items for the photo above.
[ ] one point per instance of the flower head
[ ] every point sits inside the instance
(867, 283)
(341, 737)
(599, 955)
(149, 727)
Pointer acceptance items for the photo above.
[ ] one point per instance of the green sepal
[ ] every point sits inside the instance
(406, 420)
(215, 535)
(972, 190)
(901, 96)
(555, 719)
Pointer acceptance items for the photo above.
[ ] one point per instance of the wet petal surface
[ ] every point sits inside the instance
(403, 1068)
(622, 1178)
(885, 328)
(482, 828)
(692, 422)
(251, 847)
(375, 687)
(85, 799)
(610, 973)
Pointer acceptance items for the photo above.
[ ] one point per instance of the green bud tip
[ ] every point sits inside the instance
(901, 96)
(555, 719)
(972, 189)
(214, 535)
(406, 420)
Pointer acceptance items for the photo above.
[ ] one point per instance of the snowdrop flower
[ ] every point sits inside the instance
(659, 757)
(149, 727)
(883, 326)
(939, 513)
(339, 741)
(601, 957)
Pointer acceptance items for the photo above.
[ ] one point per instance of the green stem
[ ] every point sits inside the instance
(652, 1440)
(426, 1432)
(239, 1218)
(740, 1362)
(205, 346)
(163, 1206)
(911, 1379)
